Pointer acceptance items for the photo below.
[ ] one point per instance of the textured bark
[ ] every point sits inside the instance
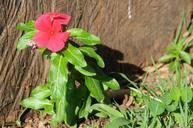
(19, 70)
(126, 41)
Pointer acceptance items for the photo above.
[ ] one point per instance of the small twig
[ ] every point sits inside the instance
(18, 122)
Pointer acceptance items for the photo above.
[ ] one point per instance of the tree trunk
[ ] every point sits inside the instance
(130, 35)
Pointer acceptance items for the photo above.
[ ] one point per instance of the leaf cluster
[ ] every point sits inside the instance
(178, 51)
(74, 82)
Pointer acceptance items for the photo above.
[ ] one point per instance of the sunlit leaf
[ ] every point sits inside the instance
(95, 88)
(35, 103)
(175, 93)
(181, 43)
(110, 111)
(117, 123)
(101, 115)
(59, 116)
(186, 57)
(23, 41)
(166, 98)
(84, 37)
(173, 49)
(174, 65)
(186, 94)
(156, 108)
(74, 56)
(58, 75)
(29, 26)
(166, 58)
(41, 92)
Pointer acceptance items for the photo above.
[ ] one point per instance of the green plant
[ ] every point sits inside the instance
(74, 81)
(178, 51)
(117, 118)
(170, 108)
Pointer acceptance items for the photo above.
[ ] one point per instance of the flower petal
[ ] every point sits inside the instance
(57, 42)
(56, 27)
(43, 23)
(62, 18)
(41, 39)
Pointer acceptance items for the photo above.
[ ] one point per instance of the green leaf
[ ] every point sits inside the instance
(173, 49)
(110, 82)
(87, 71)
(41, 92)
(181, 43)
(156, 108)
(72, 102)
(85, 109)
(29, 26)
(91, 52)
(117, 123)
(166, 98)
(41, 50)
(58, 75)
(67, 105)
(172, 107)
(166, 58)
(110, 111)
(104, 79)
(174, 66)
(84, 37)
(186, 94)
(186, 57)
(101, 115)
(59, 116)
(22, 43)
(175, 93)
(179, 30)
(35, 103)
(74, 56)
(74, 98)
(95, 88)
(178, 118)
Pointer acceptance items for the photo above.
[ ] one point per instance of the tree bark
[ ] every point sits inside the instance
(126, 40)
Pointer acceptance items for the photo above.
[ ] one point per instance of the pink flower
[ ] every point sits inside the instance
(50, 33)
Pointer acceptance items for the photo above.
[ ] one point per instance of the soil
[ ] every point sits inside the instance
(35, 119)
